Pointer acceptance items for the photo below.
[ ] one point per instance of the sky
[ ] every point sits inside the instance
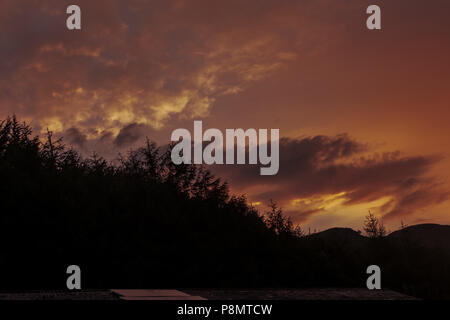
(363, 114)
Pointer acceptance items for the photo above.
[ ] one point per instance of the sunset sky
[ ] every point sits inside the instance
(363, 115)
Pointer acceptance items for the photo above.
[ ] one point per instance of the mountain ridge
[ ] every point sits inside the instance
(426, 234)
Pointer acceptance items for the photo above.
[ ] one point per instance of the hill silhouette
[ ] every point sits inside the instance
(428, 235)
(145, 222)
(339, 234)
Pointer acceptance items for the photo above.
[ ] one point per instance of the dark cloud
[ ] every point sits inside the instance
(75, 137)
(129, 135)
(415, 199)
(318, 170)
(133, 61)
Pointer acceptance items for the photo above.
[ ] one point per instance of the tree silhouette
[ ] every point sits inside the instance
(373, 227)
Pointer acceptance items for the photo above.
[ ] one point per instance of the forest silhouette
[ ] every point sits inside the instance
(144, 222)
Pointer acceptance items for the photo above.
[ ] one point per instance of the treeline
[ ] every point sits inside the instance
(143, 222)
(147, 223)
